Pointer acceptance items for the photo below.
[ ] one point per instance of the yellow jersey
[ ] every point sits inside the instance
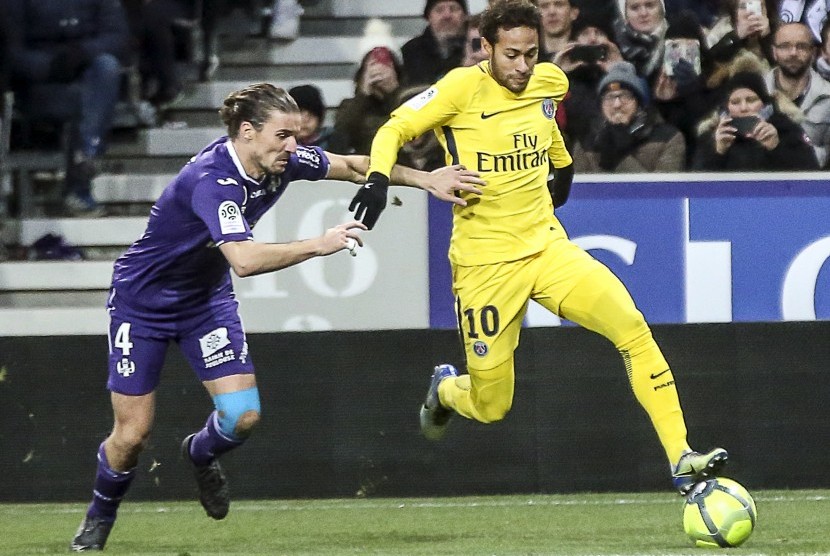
(509, 138)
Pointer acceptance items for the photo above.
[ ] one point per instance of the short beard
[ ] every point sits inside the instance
(798, 74)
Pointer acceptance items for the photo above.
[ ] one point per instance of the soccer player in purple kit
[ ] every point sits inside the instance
(174, 284)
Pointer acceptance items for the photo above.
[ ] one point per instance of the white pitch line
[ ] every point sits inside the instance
(392, 504)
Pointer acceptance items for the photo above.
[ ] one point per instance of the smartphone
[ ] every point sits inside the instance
(681, 49)
(588, 53)
(744, 124)
(753, 7)
(475, 44)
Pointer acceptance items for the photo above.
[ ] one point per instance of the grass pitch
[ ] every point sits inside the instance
(789, 522)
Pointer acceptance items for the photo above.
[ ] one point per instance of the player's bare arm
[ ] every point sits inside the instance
(250, 258)
(442, 182)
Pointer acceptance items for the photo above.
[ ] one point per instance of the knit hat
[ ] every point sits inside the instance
(431, 3)
(685, 25)
(309, 98)
(621, 4)
(747, 80)
(624, 74)
(592, 18)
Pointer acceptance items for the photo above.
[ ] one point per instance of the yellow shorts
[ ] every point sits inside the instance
(491, 300)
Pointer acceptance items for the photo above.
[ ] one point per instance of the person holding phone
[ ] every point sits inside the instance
(591, 33)
(377, 84)
(750, 133)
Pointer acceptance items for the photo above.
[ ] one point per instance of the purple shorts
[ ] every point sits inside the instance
(213, 342)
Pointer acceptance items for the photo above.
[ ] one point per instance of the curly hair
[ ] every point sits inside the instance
(507, 14)
(254, 104)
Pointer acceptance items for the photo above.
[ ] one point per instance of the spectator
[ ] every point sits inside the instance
(312, 115)
(473, 52)
(794, 78)
(423, 152)
(152, 29)
(376, 87)
(679, 89)
(742, 28)
(823, 60)
(65, 68)
(750, 133)
(631, 139)
(640, 32)
(440, 47)
(557, 18)
(584, 72)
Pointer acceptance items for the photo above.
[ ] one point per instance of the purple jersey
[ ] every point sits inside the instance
(175, 268)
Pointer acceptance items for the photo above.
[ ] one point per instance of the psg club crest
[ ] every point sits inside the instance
(548, 108)
(480, 348)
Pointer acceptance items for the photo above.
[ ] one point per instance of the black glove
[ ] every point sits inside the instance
(68, 63)
(686, 78)
(560, 184)
(613, 142)
(370, 200)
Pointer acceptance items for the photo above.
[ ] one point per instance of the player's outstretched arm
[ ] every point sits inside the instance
(250, 258)
(446, 181)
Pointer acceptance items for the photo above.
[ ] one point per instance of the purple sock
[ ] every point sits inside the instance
(110, 487)
(209, 443)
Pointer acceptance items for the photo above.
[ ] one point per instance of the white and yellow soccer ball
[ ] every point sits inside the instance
(719, 512)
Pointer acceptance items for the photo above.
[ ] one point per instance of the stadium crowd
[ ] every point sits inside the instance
(655, 85)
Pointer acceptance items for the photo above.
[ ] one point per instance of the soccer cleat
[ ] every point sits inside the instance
(694, 467)
(91, 535)
(434, 416)
(214, 493)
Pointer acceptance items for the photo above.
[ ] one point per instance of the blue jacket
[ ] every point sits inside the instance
(39, 29)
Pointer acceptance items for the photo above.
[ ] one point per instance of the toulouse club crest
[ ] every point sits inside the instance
(548, 108)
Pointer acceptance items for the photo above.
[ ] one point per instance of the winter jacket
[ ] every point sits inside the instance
(422, 60)
(815, 107)
(659, 147)
(792, 153)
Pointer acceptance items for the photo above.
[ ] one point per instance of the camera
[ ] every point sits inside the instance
(588, 53)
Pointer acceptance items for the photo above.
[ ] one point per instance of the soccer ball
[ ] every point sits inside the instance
(719, 512)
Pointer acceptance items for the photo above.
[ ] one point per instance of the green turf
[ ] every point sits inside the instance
(789, 522)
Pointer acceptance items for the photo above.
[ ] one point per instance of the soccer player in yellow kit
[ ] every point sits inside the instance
(507, 246)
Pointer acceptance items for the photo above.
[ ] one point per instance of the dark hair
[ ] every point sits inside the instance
(507, 14)
(254, 104)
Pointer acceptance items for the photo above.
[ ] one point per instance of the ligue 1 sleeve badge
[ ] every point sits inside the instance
(548, 108)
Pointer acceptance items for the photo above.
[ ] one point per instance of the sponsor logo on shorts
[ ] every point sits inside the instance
(219, 358)
(230, 218)
(213, 341)
(480, 348)
(125, 367)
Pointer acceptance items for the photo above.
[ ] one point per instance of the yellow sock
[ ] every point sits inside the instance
(653, 385)
(485, 396)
